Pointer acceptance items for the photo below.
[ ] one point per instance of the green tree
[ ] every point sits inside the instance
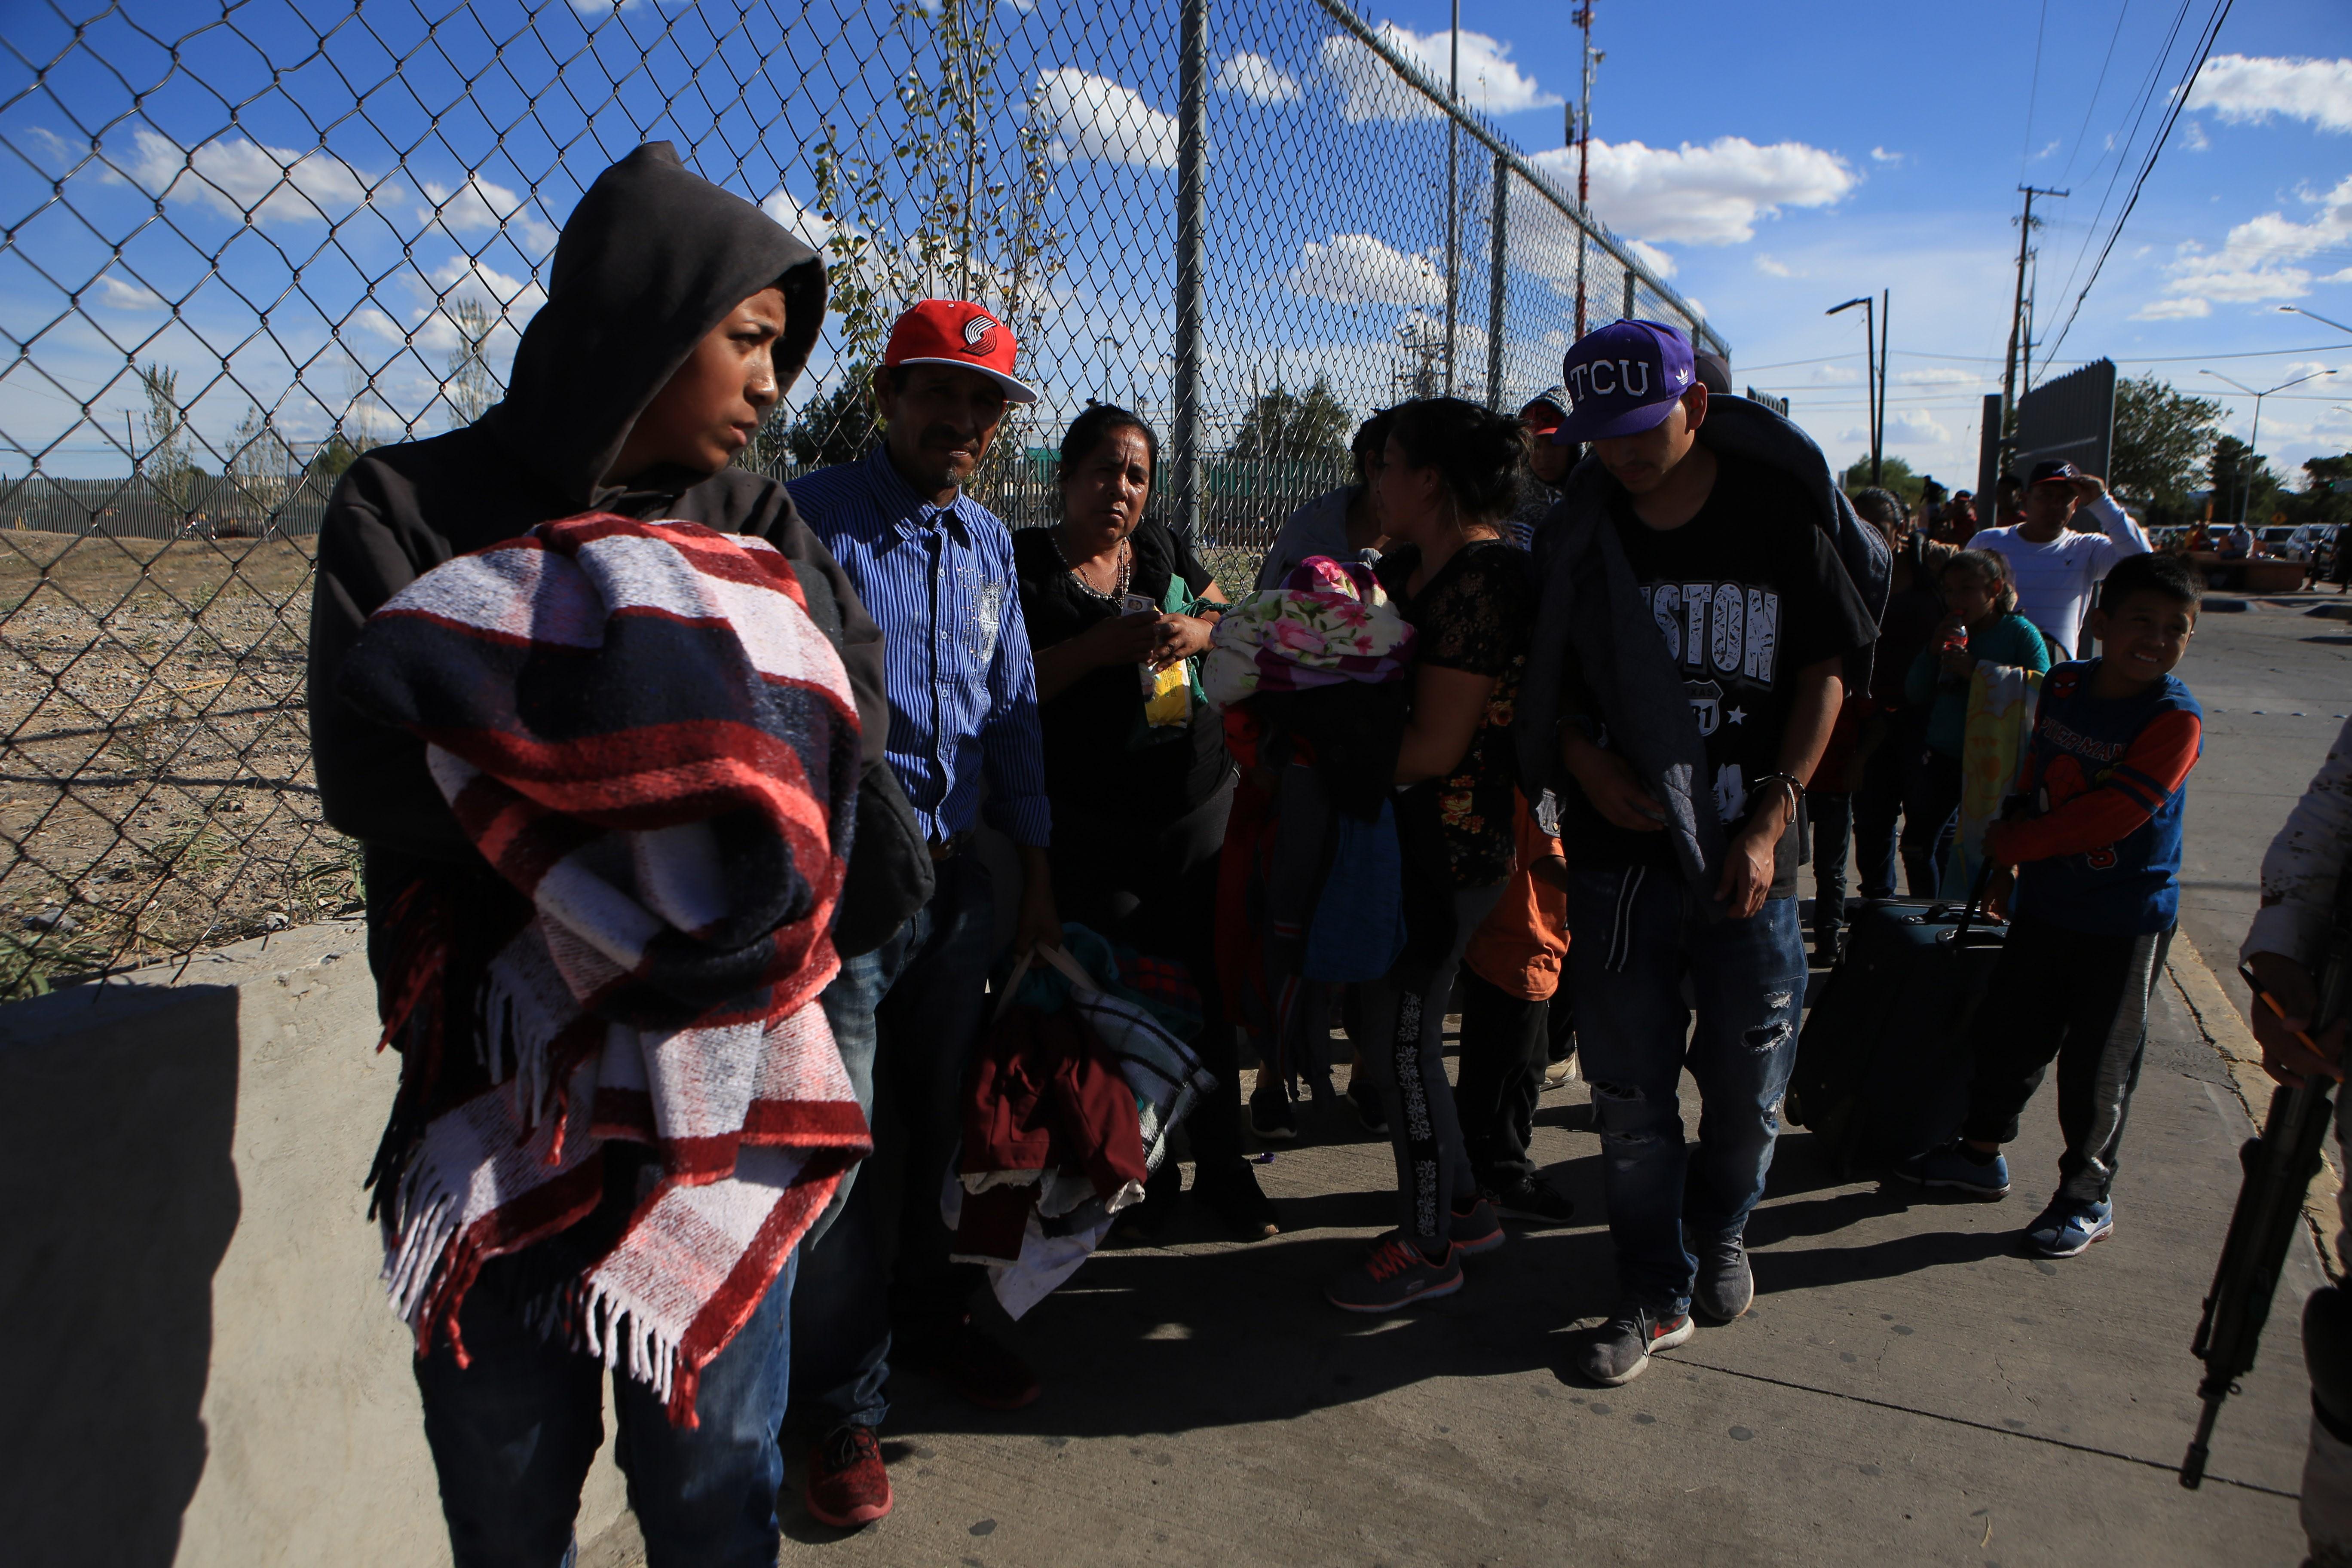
(1893, 474)
(2244, 484)
(2326, 494)
(1295, 426)
(166, 464)
(2162, 441)
(955, 207)
(839, 427)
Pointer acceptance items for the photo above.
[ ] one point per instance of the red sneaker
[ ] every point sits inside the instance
(847, 1485)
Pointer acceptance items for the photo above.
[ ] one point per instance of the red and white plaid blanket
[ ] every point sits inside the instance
(643, 731)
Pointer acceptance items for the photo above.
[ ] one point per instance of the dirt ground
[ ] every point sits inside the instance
(155, 786)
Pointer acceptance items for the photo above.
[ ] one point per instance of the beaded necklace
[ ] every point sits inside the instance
(1118, 588)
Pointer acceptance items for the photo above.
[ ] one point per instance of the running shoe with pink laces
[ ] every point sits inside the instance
(1393, 1275)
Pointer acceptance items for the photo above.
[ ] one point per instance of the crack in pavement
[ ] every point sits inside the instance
(2170, 1469)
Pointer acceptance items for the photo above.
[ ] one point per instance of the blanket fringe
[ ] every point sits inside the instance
(611, 1322)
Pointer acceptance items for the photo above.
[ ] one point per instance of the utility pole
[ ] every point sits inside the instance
(1582, 18)
(1192, 258)
(1885, 300)
(2017, 316)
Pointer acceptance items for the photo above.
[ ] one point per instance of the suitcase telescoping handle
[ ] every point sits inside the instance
(1975, 905)
(2014, 805)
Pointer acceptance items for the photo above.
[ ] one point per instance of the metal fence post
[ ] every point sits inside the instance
(1497, 277)
(1629, 302)
(1191, 233)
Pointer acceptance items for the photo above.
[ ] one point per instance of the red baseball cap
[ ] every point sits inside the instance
(957, 332)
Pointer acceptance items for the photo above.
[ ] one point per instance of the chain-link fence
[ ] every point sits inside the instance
(245, 246)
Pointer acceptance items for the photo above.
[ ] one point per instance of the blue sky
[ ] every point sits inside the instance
(1775, 170)
(1927, 109)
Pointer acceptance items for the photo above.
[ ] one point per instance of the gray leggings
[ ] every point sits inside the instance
(1404, 1045)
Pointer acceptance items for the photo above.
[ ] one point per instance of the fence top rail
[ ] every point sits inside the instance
(1411, 73)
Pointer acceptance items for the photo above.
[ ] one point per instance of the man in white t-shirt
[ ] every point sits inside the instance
(2056, 561)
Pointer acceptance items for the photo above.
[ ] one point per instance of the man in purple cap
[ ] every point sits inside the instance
(1702, 601)
(2058, 564)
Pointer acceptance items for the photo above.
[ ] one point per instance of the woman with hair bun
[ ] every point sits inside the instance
(1450, 476)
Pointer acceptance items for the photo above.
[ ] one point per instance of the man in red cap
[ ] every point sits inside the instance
(2058, 563)
(935, 567)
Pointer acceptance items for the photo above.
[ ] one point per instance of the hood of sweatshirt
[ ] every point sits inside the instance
(652, 258)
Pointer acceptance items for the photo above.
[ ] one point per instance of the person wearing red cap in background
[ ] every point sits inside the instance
(936, 569)
(1547, 465)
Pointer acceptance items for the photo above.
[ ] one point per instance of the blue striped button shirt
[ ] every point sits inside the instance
(955, 655)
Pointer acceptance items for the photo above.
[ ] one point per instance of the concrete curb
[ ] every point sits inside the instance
(2217, 1019)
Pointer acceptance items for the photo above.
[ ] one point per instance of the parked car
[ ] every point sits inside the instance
(2278, 542)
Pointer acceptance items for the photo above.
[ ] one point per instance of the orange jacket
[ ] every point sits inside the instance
(1518, 947)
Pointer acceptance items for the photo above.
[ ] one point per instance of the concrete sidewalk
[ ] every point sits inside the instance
(1909, 1388)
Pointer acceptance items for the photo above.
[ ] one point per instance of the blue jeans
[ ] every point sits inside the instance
(513, 1433)
(906, 1017)
(1642, 952)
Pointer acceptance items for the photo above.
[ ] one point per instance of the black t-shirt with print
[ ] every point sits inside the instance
(1746, 593)
(1101, 759)
(1475, 613)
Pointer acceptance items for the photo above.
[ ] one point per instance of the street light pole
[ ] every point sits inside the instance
(1873, 400)
(2246, 491)
(2299, 310)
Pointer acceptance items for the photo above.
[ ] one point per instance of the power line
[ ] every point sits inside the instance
(2033, 93)
(2096, 88)
(2164, 132)
(2136, 112)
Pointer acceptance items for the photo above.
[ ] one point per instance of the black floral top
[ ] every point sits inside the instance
(1476, 615)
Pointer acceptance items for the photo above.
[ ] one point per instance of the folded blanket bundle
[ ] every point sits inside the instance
(646, 735)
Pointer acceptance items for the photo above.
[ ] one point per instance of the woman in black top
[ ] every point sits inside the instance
(1451, 476)
(1139, 793)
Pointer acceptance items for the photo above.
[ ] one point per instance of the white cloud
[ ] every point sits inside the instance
(1491, 82)
(2193, 137)
(1915, 425)
(1881, 156)
(234, 176)
(1940, 376)
(1360, 269)
(1834, 374)
(1705, 195)
(2171, 309)
(479, 206)
(116, 295)
(1257, 79)
(1094, 116)
(1772, 268)
(2256, 262)
(2255, 87)
(1656, 260)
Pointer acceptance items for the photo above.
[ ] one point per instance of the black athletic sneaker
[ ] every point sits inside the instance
(1271, 1115)
(1726, 1285)
(1619, 1351)
(1526, 1198)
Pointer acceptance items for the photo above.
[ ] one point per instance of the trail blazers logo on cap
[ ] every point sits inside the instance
(979, 334)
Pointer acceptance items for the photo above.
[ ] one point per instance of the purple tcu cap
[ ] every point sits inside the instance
(1623, 379)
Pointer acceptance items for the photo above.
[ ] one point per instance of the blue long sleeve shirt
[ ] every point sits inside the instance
(938, 580)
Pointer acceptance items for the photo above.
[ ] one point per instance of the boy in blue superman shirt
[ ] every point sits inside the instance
(2095, 898)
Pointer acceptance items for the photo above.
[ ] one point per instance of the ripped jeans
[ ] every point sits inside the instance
(1642, 955)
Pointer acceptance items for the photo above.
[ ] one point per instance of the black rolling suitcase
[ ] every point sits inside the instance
(1882, 1064)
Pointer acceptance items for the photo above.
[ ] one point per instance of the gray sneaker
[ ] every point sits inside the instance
(1619, 1349)
(1726, 1285)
